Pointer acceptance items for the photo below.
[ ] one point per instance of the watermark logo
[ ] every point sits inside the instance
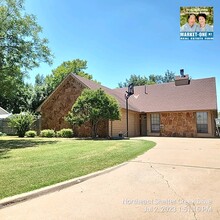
(196, 23)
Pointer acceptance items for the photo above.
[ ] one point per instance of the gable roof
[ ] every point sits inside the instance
(3, 111)
(113, 92)
(200, 94)
(93, 85)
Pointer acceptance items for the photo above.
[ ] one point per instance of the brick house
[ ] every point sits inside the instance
(182, 108)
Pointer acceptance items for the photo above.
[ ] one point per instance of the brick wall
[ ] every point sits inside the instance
(178, 124)
(60, 103)
(119, 126)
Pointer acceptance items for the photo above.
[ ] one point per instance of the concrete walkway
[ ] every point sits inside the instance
(177, 179)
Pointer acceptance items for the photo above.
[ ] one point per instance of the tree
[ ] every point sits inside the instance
(93, 106)
(22, 122)
(155, 79)
(18, 98)
(21, 47)
(138, 80)
(168, 77)
(76, 66)
(43, 86)
(21, 100)
(39, 92)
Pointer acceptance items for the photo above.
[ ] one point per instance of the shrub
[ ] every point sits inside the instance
(58, 134)
(66, 133)
(2, 134)
(47, 133)
(22, 122)
(31, 133)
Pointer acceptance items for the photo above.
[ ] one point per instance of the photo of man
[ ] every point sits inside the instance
(191, 24)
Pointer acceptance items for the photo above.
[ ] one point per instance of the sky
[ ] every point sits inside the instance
(123, 37)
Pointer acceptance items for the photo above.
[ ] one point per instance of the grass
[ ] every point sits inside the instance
(27, 164)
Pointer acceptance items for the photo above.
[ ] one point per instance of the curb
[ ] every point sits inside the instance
(9, 201)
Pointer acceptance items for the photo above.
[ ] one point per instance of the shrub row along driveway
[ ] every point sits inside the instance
(177, 179)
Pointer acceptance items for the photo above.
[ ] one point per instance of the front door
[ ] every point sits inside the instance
(143, 123)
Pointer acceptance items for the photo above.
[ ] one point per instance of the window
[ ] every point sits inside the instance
(155, 122)
(202, 122)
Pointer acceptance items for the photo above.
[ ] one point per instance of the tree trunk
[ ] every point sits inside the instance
(94, 129)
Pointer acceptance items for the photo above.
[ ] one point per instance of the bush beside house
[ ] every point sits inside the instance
(48, 133)
(65, 133)
(22, 122)
(31, 133)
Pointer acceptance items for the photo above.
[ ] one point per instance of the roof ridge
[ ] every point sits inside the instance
(159, 84)
(195, 96)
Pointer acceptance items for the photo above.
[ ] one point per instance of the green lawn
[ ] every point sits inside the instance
(28, 164)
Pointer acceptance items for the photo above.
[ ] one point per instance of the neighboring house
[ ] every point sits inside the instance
(4, 113)
(4, 127)
(182, 108)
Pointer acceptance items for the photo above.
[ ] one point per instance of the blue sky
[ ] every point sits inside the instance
(123, 37)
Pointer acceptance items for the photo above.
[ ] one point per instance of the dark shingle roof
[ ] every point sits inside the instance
(117, 94)
(200, 94)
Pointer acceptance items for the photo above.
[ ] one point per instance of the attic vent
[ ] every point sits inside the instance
(182, 79)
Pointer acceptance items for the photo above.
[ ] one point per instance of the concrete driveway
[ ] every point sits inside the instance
(177, 179)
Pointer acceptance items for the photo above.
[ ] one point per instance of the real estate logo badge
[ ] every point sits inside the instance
(196, 23)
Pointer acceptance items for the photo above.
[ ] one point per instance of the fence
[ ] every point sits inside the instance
(5, 128)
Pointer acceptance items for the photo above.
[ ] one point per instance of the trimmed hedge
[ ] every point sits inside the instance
(31, 133)
(47, 133)
(65, 133)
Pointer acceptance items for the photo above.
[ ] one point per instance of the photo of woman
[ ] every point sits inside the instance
(202, 23)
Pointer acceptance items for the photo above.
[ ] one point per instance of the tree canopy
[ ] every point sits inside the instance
(76, 66)
(43, 86)
(93, 106)
(20, 41)
(39, 92)
(15, 94)
(138, 80)
(29, 97)
(21, 49)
